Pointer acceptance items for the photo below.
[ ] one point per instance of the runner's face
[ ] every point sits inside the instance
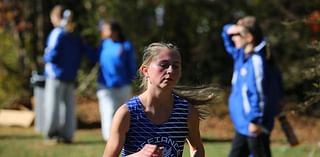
(165, 69)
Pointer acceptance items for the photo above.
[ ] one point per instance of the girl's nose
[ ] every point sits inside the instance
(170, 69)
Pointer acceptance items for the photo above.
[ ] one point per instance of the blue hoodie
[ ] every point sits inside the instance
(63, 54)
(117, 63)
(248, 100)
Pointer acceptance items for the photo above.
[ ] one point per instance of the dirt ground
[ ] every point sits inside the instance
(218, 125)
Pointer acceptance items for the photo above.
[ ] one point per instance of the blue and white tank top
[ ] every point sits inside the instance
(170, 134)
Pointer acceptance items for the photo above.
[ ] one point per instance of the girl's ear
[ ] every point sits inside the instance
(144, 70)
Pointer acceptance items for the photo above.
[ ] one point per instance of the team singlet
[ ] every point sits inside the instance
(171, 134)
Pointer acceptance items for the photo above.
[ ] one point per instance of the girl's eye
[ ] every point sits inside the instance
(164, 65)
(167, 65)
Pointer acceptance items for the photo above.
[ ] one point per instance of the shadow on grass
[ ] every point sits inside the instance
(84, 125)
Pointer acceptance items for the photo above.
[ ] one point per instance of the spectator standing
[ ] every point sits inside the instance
(117, 71)
(62, 60)
(250, 103)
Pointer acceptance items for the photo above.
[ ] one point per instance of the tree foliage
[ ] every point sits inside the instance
(195, 26)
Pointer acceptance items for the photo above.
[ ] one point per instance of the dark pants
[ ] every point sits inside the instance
(243, 146)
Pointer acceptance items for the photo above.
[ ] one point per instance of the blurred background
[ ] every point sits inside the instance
(292, 30)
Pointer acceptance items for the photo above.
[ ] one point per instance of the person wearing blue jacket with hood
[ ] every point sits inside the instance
(62, 60)
(117, 71)
(250, 103)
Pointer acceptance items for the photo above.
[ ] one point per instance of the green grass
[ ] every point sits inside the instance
(24, 142)
(221, 150)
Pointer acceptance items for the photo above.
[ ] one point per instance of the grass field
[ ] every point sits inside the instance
(25, 142)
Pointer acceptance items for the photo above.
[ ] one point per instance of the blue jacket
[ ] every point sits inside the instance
(248, 100)
(117, 63)
(63, 54)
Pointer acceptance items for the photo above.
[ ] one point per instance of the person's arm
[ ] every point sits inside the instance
(130, 60)
(194, 138)
(256, 96)
(51, 53)
(119, 128)
(228, 43)
(90, 52)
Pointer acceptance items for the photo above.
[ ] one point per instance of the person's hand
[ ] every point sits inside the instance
(233, 29)
(149, 150)
(254, 129)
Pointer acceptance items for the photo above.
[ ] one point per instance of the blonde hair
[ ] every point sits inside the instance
(201, 97)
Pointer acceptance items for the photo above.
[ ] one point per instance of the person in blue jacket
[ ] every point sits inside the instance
(250, 106)
(117, 71)
(62, 60)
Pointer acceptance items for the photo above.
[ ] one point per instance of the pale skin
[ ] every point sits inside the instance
(163, 73)
(108, 33)
(55, 19)
(244, 40)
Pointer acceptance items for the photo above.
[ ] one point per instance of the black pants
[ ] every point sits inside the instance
(243, 146)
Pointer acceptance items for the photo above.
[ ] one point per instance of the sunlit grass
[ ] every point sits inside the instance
(24, 142)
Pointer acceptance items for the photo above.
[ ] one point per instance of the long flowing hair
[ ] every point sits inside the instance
(201, 97)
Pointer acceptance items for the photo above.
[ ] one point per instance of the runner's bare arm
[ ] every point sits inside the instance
(119, 128)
